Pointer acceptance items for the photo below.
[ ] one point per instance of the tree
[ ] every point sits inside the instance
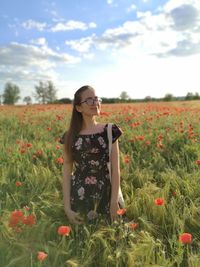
(27, 100)
(189, 96)
(124, 95)
(45, 92)
(148, 98)
(196, 96)
(168, 97)
(64, 101)
(51, 92)
(11, 93)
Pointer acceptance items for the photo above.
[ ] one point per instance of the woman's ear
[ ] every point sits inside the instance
(78, 108)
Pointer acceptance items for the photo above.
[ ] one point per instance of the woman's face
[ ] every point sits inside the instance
(90, 103)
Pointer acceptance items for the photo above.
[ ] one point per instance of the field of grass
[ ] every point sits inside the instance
(160, 178)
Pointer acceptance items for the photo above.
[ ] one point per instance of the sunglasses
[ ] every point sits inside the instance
(91, 101)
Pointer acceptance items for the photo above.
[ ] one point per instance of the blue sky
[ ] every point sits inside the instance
(143, 47)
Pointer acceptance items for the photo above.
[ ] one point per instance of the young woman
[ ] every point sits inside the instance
(87, 190)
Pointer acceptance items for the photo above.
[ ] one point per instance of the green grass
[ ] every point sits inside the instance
(162, 144)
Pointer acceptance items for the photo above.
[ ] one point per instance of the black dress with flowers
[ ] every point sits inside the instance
(90, 182)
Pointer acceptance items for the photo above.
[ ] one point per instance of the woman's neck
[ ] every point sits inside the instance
(89, 124)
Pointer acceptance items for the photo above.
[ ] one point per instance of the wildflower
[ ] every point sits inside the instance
(126, 159)
(185, 238)
(159, 144)
(39, 152)
(29, 145)
(174, 193)
(160, 137)
(16, 217)
(198, 162)
(148, 143)
(18, 184)
(159, 201)
(42, 255)
(29, 220)
(140, 138)
(59, 117)
(60, 160)
(121, 211)
(64, 230)
(133, 225)
(22, 150)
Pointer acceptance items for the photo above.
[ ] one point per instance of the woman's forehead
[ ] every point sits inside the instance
(88, 93)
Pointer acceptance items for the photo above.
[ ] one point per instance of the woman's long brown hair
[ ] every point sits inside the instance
(76, 121)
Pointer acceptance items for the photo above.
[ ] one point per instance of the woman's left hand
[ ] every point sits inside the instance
(114, 206)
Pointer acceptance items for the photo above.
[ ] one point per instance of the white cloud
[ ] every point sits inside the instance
(40, 41)
(173, 31)
(31, 24)
(81, 45)
(29, 62)
(72, 25)
(131, 8)
(152, 55)
(92, 25)
(30, 55)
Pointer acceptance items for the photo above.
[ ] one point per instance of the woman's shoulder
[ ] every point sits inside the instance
(116, 132)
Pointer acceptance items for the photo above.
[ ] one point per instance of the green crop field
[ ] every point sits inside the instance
(160, 179)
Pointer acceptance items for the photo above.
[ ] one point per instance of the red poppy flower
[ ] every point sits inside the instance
(185, 238)
(174, 193)
(64, 230)
(148, 142)
(159, 201)
(18, 183)
(39, 152)
(126, 159)
(22, 150)
(42, 255)
(133, 225)
(16, 217)
(29, 145)
(159, 145)
(121, 211)
(60, 160)
(29, 220)
(198, 162)
(140, 138)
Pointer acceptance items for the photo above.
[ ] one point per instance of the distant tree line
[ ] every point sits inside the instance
(45, 93)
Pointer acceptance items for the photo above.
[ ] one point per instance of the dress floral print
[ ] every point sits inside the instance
(90, 182)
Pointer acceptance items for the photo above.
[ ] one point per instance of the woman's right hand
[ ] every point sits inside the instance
(74, 217)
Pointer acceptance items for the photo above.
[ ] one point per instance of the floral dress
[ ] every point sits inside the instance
(90, 182)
